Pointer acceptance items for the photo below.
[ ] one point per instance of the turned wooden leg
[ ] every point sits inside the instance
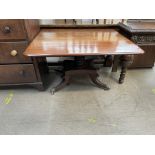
(94, 79)
(126, 60)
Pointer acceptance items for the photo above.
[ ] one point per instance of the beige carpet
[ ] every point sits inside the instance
(81, 108)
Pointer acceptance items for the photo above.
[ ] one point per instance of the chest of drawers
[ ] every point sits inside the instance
(15, 68)
(142, 33)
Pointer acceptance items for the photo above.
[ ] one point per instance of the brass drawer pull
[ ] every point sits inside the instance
(13, 53)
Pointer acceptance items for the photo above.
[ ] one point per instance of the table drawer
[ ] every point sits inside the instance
(12, 74)
(12, 29)
(12, 52)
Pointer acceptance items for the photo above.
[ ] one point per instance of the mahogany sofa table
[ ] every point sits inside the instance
(80, 43)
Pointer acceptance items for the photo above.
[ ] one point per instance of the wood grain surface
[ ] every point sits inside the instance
(80, 42)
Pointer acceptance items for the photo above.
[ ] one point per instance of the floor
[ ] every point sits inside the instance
(81, 108)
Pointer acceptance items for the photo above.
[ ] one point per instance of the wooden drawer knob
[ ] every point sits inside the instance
(6, 29)
(13, 53)
(22, 72)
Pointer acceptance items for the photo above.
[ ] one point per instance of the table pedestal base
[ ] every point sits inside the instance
(79, 66)
(66, 79)
(82, 66)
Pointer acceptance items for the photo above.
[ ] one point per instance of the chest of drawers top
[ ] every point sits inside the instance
(140, 32)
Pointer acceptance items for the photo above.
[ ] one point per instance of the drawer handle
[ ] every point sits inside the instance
(7, 29)
(22, 73)
(13, 53)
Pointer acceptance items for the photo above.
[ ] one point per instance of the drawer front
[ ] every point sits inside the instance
(12, 29)
(12, 52)
(143, 39)
(14, 74)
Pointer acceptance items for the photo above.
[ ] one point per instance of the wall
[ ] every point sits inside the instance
(81, 21)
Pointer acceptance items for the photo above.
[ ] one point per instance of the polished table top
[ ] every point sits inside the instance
(80, 42)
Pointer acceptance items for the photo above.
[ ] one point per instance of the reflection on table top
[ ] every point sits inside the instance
(80, 42)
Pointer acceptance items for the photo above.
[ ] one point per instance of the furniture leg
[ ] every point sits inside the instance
(94, 79)
(62, 84)
(108, 61)
(40, 87)
(46, 65)
(126, 60)
(115, 63)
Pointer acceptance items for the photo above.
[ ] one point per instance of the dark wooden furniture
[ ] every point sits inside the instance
(141, 32)
(80, 43)
(15, 68)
